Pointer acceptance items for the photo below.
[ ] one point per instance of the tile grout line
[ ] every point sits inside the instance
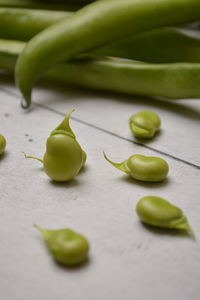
(6, 90)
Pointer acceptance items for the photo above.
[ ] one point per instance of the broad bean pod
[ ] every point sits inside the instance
(156, 211)
(66, 246)
(2, 144)
(159, 45)
(92, 27)
(144, 124)
(64, 156)
(143, 168)
(9, 51)
(22, 24)
(174, 81)
(83, 2)
(36, 4)
(165, 45)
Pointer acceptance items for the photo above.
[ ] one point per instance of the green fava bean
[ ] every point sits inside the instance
(143, 168)
(144, 124)
(64, 156)
(2, 144)
(159, 212)
(66, 246)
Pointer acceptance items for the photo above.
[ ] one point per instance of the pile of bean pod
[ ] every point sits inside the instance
(129, 46)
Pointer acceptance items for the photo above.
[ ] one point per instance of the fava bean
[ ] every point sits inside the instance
(64, 157)
(66, 246)
(2, 144)
(156, 211)
(143, 168)
(144, 124)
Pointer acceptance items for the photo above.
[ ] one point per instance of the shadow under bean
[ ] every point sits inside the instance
(70, 268)
(3, 155)
(172, 232)
(69, 184)
(146, 184)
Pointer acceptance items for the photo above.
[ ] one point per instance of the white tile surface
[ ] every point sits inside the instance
(180, 118)
(128, 261)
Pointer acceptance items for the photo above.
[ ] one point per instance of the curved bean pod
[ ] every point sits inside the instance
(93, 26)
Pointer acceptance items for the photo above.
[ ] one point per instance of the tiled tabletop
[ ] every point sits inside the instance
(127, 260)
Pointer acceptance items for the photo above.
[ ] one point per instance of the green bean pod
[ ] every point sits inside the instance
(37, 4)
(64, 156)
(2, 144)
(144, 124)
(175, 81)
(22, 24)
(165, 45)
(143, 168)
(156, 211)
(66, 246)
(159, 45)
(93, 26)
(83, 2)
(9, 51)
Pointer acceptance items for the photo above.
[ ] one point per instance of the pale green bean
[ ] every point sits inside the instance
(156, 211)
(64, 156)
(143, 168)
(66, 246)
(144, 124)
